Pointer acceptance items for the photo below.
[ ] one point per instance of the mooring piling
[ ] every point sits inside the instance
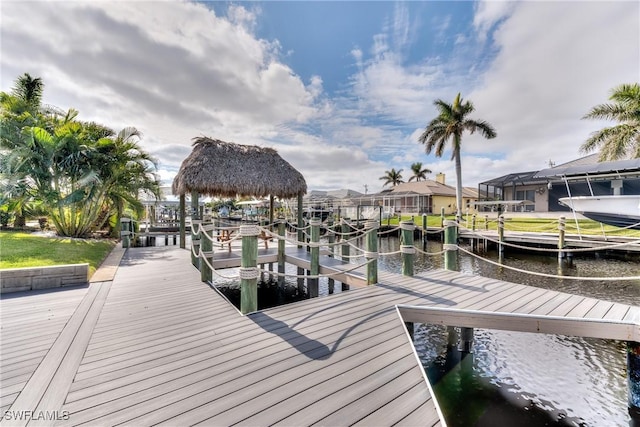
(371, 251)
(406, 247)
(249, 269)
(206, 252)
(561, 244)
(312, 282)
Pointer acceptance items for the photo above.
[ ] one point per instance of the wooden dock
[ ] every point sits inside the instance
(550, 240)
(155, 345)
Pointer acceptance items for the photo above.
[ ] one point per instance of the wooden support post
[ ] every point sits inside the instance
(424, 231)
(312, 283)
(183, 227)
(300, 221)
(633, 380)
(410, 328)
(371, 251)
(248, 269)
(561, 230)
(281, 253)
(501, 234)
(206, 246)
(300, 280)
(345, 247)
(474, 239)
(406, 247)
(442, 217)
(125, 234)
(466, 340)
(332, 238)
(450, 247)
(195, 242)
(486, 222)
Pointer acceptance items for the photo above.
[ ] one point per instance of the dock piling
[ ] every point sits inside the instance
(561, 231)
(371, 251)
(501, 234)
(249, 269)
(424, 231)
(195, 242)
(281, 254)
(312, 283)
(332, 238)
(183, 214)
(406, 247)
(125, 233)
(206, 248)
(344, 248)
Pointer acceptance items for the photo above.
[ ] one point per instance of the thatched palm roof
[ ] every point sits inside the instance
(226, 169)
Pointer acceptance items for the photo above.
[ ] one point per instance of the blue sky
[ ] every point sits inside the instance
(341, 89)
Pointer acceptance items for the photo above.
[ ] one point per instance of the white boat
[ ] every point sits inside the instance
(617, 210)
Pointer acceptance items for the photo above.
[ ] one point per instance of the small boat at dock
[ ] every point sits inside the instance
(616, 210)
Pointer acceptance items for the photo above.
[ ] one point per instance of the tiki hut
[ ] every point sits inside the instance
(225, 169)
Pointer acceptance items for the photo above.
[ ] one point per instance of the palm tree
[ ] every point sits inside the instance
(622, 140)
(127, 171)
(392, 177)
(418, 172)
(451, 123)
(19, 109)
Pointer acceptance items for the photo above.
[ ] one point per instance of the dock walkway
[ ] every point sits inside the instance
(157, 346)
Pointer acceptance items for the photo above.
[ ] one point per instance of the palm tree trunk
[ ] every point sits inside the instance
(458, 182)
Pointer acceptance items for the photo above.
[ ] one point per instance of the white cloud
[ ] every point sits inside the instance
(177, 70)
(552, 67)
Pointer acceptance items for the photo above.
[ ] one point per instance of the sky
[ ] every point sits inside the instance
(341, 89)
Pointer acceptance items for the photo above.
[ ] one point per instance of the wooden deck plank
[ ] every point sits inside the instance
(44, 373)
(166, 348)
(321, 400)
(220, 356)
(263, 394)
(57, 391)
(617, 312)
(395, 411)
(161, 398)
(25, 344)
(361, 406)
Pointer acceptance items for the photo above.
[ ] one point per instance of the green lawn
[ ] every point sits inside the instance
(540, 225)
(20, 249)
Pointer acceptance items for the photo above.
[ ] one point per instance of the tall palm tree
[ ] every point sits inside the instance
(418, 172)
(451, 122)
(392, 177)
(622, 140)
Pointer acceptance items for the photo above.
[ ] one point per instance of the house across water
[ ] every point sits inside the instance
(540, 190)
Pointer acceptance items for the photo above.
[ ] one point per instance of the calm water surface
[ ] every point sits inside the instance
(531, 379)
(522, 379)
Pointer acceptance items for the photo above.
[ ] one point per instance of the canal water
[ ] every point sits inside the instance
(519, 379)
